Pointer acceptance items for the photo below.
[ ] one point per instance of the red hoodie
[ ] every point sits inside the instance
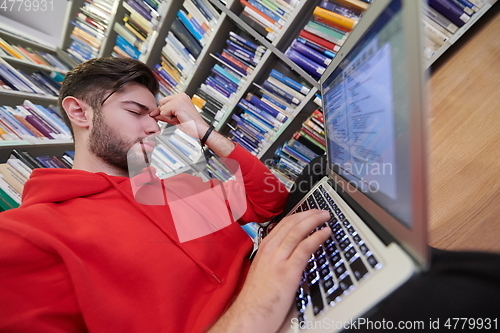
(81, 254)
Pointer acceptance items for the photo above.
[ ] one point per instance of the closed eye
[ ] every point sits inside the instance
(135, 112)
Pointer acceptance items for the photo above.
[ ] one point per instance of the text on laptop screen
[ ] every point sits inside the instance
(366, 114)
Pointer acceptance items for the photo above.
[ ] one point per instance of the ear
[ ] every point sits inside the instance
(79, 112)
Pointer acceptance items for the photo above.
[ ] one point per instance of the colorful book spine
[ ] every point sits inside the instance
(311, 53)
(450, 11)
(335, 18)
(315, 70)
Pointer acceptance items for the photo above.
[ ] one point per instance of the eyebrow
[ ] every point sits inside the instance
(141, 106)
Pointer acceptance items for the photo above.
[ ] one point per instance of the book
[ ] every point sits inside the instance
(272, 98)
(135, 28)
(246, 43)
(311, 53)
(335, 18)
(130, 37)
(312, 68)
(314, 137)
(8, 133)
(295, 156)
(139, 16)
(261, 16)
(182, 16)
(433, 33)
(196, 12)
(268, 86)
(208, 9)
(325, 32)
(342, 10)
(130, 49)
(280, 20)
(51, 162)
(238, 62)
(319, 41)
(229, 63)
(355, 4)
(10, 74)
(242, 52)
(19, 166)
(180, 31)
(467, 10)
(269, 109)
(10, 50)
(286, 88)
(450, 11)
(26, 158)
(54, 118)
(301, 148)
(257, 26)
(47, 123)
(260, 114)
(283, 8)
(13, 126)
(439, 19)
(6, 200)
(299, 87)
(12, 177)
(181, 49)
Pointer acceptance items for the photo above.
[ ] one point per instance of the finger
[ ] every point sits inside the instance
(166, 99)
(283, 228)
(155, 112)
(303, 251)
(299, 232)
(172, 120)
(166, 113)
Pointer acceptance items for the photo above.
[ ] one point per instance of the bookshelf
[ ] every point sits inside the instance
(13, 98)
(229, 20)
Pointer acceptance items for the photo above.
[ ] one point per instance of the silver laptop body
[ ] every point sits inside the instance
(375, 123)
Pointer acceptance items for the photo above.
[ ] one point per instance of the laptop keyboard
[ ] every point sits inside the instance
(340, 263)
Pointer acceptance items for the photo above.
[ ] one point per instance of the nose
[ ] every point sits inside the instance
(151, 126)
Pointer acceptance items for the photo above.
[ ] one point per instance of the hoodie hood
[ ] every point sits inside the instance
(59, 185)
(51, 185)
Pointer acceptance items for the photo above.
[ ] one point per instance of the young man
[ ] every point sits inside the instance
(82, 254)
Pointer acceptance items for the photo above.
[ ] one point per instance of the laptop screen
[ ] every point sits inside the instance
(366, 111)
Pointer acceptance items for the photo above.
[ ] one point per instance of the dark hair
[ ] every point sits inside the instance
(95, 80)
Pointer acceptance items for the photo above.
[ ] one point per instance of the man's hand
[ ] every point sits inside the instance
(178, 110)
(275, 274)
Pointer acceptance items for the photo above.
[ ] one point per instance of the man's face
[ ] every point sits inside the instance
(121, 124)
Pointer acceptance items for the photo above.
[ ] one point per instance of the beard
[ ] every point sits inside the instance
(111, 148)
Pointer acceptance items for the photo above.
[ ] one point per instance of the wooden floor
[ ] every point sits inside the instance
(465, 143)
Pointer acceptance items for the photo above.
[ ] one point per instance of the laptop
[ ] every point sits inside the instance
(376, 190)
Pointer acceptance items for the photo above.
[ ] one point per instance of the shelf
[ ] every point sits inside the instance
(32, 65)
(41, 149)
(13, 95)
(14, 144)
(16, 31)
(459, 33)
